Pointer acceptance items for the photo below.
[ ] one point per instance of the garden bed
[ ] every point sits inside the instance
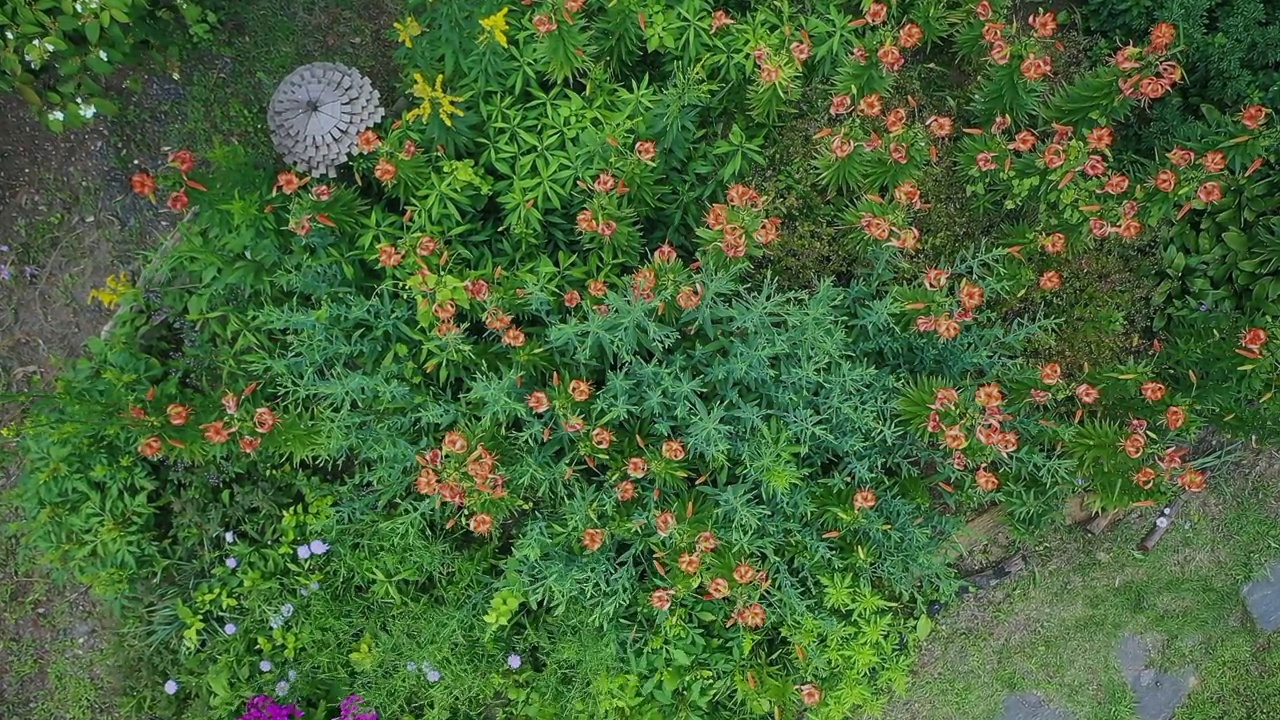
(652, 387)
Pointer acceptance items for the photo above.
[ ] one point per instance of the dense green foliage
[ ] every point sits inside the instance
(511, 423)
(57, 53)
(1230, 48)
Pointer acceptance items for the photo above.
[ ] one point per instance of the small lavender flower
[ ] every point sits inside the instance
(514, 661)
(5, 273)
(230, 628)
(304, 552)
(411, 666)
(293, 675)
(30, 272)
(171, 687)
(232, 563)
(4, 248)
(282, 688)
(314, 586)
(286, 610)
(266, 666)
(229, 536)
(318, 547)
(433, 675)
(276, 622)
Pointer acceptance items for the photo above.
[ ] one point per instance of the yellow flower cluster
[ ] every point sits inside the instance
(434, 100)
(495, 27)
(116, 288)
(408, 29)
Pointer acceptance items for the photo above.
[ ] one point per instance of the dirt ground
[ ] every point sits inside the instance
(67, 221)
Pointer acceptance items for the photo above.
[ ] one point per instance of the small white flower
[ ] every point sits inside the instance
(103, 54)
(304, 552)
(293, 675)
(230, 535)
(286, 610)
(57, 115)
(48, 46)
(265, 666)
(411, 666)
(230, 628)
(282, 688)
(171, 687)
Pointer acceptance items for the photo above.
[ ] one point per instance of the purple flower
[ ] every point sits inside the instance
(433, 675)
(264, 707)
(230, 628)
(266, 665)
(304, 552)
(352, 709)
(232, 563)
(30, 272)
(514, 662)
(5, 273)
(318, 547)
(171, 687)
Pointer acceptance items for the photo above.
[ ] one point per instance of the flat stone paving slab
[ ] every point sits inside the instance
(1262, 597)
(1030, 706)
(1158, 693)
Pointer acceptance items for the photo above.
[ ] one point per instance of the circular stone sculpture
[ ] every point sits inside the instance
(317, 112)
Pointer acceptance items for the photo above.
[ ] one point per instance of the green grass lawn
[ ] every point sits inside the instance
(1055, 629)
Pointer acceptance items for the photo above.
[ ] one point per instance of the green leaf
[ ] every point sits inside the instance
(1236, 240)
(924, 626)
(92, 30)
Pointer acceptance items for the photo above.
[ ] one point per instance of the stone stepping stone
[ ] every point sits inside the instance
(1158, 693)
(317, 112)
(1031, 706)
(1262, 597)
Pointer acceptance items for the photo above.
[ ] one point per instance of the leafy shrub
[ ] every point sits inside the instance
(508, 428)
(55, 53)
(1227, 259)
(1229, 47)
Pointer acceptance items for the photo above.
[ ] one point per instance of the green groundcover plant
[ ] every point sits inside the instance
(506, 424)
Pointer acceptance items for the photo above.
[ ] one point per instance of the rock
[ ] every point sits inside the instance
(1030, 706)
(1262, 597)
(1158, 694)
